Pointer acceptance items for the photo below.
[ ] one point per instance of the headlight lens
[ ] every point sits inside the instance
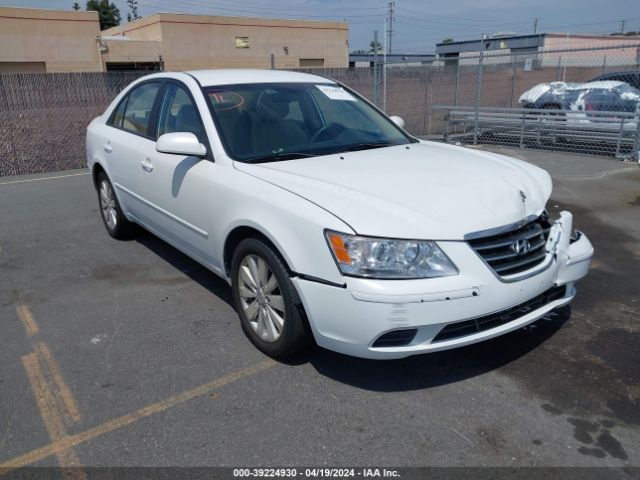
(388, 258)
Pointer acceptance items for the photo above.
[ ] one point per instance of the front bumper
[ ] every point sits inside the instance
(350, 320)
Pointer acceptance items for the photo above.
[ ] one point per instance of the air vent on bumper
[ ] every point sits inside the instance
(469, 327)
(396, 338)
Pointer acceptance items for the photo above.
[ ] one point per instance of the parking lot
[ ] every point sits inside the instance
(128, 353)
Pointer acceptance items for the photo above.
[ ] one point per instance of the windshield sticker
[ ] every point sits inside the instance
(336, 93)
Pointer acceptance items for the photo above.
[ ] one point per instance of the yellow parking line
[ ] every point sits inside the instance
(65, 393)
(70, 441)
(51, 417)
(28, 321)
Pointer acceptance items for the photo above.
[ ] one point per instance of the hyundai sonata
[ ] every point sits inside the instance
(329, 221)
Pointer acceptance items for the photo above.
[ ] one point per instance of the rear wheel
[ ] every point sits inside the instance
(266, 300)
(114, 220)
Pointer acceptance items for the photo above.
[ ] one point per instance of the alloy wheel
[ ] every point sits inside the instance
(261, 298)
(108, 205)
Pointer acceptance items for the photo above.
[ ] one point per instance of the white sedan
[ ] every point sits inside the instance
(328, 220)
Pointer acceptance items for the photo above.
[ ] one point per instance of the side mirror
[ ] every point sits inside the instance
(181, 143)
(397, 120)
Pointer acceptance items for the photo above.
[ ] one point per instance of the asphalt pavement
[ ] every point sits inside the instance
(128, 353)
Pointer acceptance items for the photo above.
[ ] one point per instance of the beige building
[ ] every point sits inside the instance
(33, 40)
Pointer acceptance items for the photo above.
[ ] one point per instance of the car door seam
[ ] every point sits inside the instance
(190, 226)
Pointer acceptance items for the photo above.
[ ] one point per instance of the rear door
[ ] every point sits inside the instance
(131, 130)
(180, 189)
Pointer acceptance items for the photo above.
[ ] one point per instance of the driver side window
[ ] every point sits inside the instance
(179, 114)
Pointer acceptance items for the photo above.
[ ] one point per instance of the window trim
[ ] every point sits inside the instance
(154, 108)
(185, 87)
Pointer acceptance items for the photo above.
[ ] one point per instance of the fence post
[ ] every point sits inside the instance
(635, 154)
(478, 92)
(513, 79)
(273, 61)
(455, 94)
(376, 71)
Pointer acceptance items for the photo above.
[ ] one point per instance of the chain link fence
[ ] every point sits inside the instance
(44, 117)
(526, 99)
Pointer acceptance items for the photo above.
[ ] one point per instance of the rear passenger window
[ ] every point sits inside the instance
(137, 115)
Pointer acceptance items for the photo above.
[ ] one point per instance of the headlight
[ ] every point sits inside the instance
(388, 258)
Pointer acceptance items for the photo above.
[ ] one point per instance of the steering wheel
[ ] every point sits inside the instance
(331, 130)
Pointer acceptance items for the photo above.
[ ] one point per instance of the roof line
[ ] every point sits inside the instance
(51, 19)
(123, 31)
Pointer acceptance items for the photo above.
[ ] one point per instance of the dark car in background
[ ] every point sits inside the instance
(632, 77)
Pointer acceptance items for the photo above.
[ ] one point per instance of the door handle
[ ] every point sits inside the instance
(147, 166)
(107, 147)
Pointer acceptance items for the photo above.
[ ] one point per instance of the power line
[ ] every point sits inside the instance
(390, 20)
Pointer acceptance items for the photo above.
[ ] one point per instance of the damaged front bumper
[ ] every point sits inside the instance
(393, 319)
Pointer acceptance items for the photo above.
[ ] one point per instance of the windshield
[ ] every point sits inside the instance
(270, 122)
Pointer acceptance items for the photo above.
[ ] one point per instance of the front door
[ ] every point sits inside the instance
(180, 188)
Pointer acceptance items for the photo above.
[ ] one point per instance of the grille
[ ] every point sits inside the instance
(469, 327)
(396, 338)
(517, 250)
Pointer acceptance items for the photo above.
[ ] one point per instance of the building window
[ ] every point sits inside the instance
(242, 42)
(312, 62)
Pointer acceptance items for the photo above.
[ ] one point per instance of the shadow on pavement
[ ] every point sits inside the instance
(186, 265)
(438, 368)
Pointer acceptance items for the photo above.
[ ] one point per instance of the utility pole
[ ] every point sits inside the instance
(476, 129)
(390, 19)
(376, 70)
(622, 22)
(535, 25)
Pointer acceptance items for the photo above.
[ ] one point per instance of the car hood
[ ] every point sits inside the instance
(423, 191)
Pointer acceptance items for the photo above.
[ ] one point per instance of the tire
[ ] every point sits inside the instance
(271, 316)
(114, 220)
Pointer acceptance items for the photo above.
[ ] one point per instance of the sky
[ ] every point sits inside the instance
(418, 25)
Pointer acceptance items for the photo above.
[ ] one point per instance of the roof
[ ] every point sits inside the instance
(236, 76)
(393, 57)
(187, 19)
(532, 40)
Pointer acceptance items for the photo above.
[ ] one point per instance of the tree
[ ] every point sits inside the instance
(76, 6)
(107, 12)
(447, 40)
(133, 6)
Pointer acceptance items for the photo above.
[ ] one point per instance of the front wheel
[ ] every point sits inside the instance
(266, 300)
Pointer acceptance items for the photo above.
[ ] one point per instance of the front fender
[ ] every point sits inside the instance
(293, 224)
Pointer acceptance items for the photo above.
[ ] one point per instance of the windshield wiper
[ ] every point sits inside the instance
(366, 146)
(275, 157)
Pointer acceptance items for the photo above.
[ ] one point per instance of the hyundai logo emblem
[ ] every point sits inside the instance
(521, 247)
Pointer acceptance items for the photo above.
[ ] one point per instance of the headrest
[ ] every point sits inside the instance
(187, 119)
(273, 107)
